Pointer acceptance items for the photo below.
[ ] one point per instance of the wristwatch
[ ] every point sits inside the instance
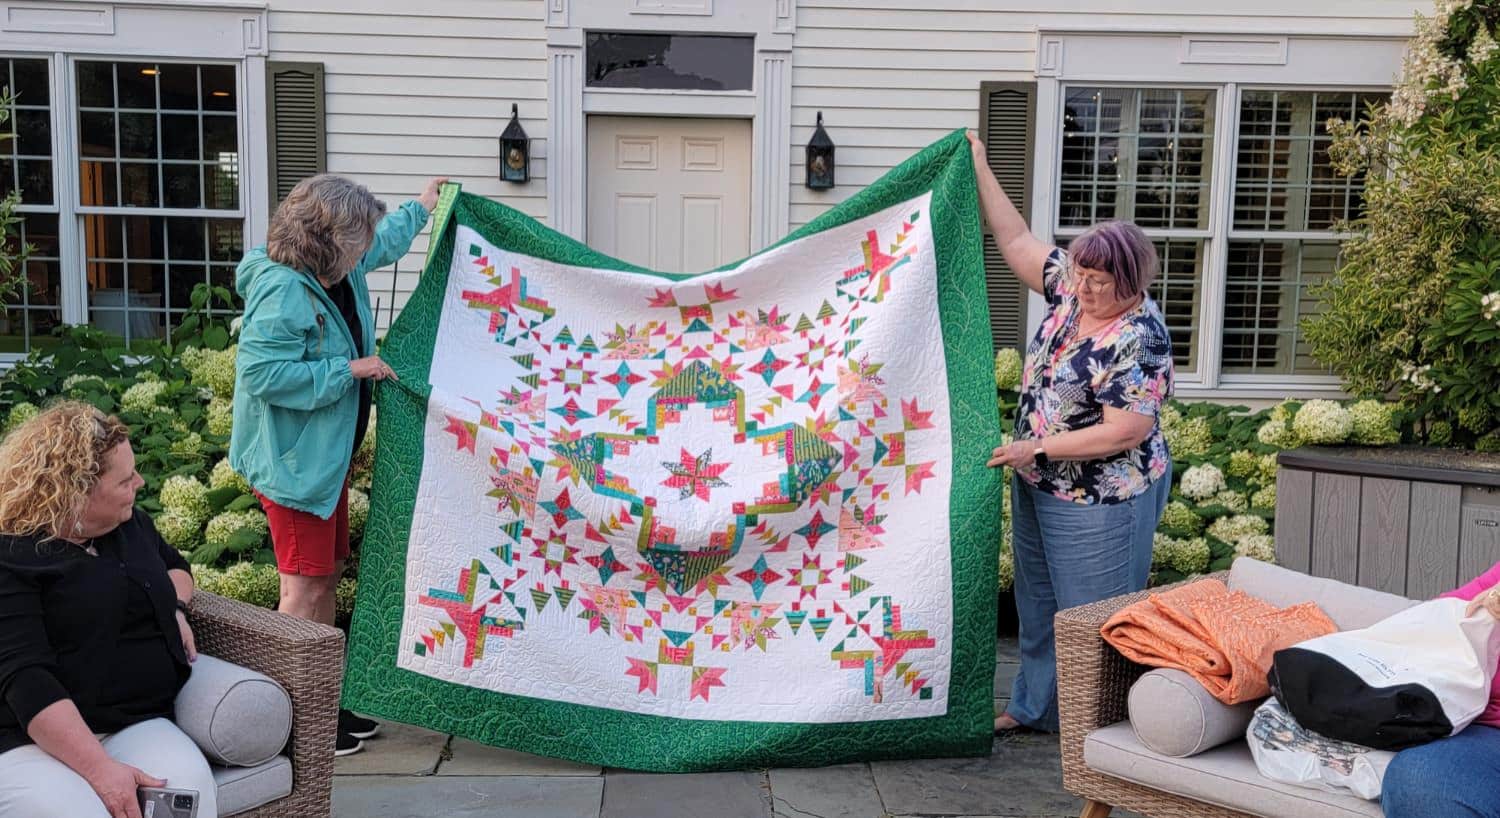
(1039, 455)
(182, 606)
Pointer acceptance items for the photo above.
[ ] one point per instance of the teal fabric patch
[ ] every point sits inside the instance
(681, 522)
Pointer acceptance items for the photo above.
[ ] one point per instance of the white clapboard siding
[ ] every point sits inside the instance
(414, 90)
(892, 76)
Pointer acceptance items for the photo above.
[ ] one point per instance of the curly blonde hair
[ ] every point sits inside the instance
(49, 464)
(323, 226)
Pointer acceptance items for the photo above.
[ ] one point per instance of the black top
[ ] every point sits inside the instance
(342, 295)
(101, 631)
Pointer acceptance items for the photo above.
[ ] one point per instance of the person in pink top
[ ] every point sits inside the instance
(1455, 777)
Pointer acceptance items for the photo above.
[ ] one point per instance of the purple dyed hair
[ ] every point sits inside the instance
(1120, 249)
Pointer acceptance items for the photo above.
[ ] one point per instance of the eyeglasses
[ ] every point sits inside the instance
(1088, 284)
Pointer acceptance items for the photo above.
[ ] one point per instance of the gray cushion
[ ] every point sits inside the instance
(245, 788)
(238, 717)
(1225, 776)
(1174, 715)
(1349, 607)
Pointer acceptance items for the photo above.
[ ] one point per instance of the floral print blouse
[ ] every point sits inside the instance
(1067, 382)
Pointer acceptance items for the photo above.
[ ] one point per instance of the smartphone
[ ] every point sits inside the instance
(168, 802)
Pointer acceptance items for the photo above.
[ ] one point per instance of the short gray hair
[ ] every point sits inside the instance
(323, 226)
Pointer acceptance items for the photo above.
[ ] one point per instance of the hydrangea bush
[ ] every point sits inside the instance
(1223, 497)
(1415, 305)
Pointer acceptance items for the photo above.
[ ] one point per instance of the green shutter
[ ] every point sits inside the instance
(294, 121)
(1007, 115)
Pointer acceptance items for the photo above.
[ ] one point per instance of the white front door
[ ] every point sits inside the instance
(669, 194)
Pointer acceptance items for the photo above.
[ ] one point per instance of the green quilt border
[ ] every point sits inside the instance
(600, 736)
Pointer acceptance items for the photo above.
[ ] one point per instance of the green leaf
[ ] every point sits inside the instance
(244, 502)
(244, 540)
(220, 499)
(216, 337)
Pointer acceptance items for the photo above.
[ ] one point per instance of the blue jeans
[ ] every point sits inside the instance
(1068, 554)
(1455, 777)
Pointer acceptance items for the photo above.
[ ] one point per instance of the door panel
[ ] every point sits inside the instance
(670, 194)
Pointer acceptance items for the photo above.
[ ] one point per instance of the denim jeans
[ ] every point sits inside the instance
(1455, 777)
(1069, 554)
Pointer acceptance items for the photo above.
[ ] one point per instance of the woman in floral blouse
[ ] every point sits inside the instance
(1092, 468)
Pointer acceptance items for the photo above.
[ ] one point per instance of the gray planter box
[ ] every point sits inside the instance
(1407, 520)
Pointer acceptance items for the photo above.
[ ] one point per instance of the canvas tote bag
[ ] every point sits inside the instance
(1417, 676)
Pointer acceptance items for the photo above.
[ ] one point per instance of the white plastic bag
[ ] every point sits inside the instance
(1285, 751)
(1414, 677)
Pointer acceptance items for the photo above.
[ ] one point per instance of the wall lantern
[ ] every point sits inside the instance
(820, 158)
(515, 152)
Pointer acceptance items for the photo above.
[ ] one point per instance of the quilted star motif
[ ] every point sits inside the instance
(695, 476)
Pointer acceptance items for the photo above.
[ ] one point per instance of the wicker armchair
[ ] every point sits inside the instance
(1093, 681)
(304, 657)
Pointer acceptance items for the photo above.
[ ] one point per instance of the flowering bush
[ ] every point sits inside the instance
(187, 497)
(224, 476)
(1188, 437)
(1374, 423)
(220, 414)
(1184, 556)
(1008, 369)
(1408, 310)
(1233, 529)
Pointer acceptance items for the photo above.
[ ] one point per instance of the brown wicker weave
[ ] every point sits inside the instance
(308, 660)
(1093, 680)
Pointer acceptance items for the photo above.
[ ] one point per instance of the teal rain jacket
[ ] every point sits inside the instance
(295, 399)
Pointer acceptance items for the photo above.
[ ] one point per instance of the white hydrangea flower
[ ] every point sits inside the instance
(1232, 500)
(1234, 528)
(1322, 422)
(187, 496)
(1189, 437)
(225, 525)
(180, 530)
(1257, 546)
(1007, 369)
(224, 476)
(1183, 556)
(143, 396)
(1202, 482)
(1265, 498)
(1374, 423)
(220, 416)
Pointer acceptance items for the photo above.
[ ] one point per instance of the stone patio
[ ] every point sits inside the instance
(408, 772)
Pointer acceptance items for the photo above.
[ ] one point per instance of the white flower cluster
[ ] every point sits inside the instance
(186, 496)
(359, 512)
(1374, 423)
(1276, 433)
(224, 476)
(189, 445)
(1490, 305)
(1232, 500)
(75, 380)
(1417, 376)
(1202, 482)
(1189, 437)
(179, 530)
(1185, 556)
(1257, 547)
(1180, 520)
(220, 416)
(1426, 72)
(212, 370)
(1007, 369)
(1265, 498)
(142, 397)
(1235, 528)
(1243, 464)
(227, 524)
(1322, 422)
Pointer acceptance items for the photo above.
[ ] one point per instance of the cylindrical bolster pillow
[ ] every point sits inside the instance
(237, 717)
(1174, 715)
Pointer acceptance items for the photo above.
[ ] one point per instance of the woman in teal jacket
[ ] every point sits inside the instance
(304, 375)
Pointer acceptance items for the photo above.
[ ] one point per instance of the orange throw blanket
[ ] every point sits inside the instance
(1224, 639)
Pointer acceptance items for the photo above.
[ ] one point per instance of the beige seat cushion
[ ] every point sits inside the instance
(1174, 715)
(1348, 606)
(242, 789)
(1225, 776)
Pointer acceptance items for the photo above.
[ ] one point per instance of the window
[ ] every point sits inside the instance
(681, 62)
(26, 165)
(1148, 155)
(158, 189)
(1145, 155)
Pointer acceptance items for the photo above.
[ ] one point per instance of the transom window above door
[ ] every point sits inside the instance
(677, 62)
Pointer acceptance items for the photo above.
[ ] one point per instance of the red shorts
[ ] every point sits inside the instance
(305, 543)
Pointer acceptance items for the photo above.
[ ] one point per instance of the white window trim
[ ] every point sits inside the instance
(227, 32)
(1227, 62)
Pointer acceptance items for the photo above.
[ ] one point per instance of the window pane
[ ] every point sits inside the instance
(218, 88)
(179, 136)
(26, 138)
(671, 61)
(1139, 154)
(1267, 294)
(136, 85)
(1284, 179)
(96, 85)
(179, 87)
(1178, 292)
(181, 187)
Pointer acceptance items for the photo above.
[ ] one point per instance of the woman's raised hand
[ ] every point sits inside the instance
(976, 147)
(429, 196)
(1488, 601)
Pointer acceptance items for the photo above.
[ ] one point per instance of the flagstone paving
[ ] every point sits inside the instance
(409, 772)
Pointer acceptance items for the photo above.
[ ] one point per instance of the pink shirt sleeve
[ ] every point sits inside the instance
(1478, 585)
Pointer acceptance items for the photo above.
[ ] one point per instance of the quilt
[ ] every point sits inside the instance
(680, 522)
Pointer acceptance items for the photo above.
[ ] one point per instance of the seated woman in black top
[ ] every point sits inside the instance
(93, 641)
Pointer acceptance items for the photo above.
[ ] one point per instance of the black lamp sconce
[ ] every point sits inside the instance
(820, 158)
(515, 149)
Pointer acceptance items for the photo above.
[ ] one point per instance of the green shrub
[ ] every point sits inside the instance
(1407, 310)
